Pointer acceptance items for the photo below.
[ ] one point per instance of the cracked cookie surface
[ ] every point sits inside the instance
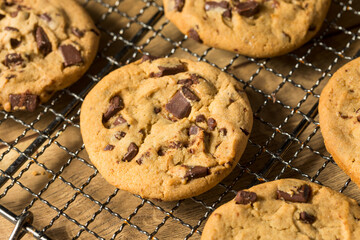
(286, 209)
(46, 45)
(339, 117)
(252, 28)
(167, 128)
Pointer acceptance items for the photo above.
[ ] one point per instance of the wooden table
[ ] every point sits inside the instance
(63, 190)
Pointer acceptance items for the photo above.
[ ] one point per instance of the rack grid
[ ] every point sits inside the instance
(50, 189)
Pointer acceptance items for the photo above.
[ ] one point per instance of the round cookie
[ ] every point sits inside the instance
(46, 45)
(252, 28)
(167, 128)
(339, 116)
(285, 209)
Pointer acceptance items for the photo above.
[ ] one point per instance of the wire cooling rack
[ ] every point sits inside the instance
(50, 189)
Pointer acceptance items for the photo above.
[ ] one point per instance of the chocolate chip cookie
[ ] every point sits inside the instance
(256, 28)
(46, 45)
(339, 115)
(285, 209)
(167, 128)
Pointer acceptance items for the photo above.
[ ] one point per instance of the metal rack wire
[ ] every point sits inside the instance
(280, 145)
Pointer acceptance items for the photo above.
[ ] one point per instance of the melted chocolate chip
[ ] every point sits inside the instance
(77, 32)
(150, 58)
(245, 131)
(192, 33)
(11, 29)
(14, 42)
(223, 131)
(193, 130)
(211, 123)
(245, 197)
(189, 94)
(132, 151)
(23, 101)
(116, 104)
(187, 82)
(200, 118)
(71, 55)
(307, 218)
(178, 106)
(179, 4)
(247, 9)
(196, 172)
(119, 120)
(42, 41)
(157, 110)
(13, 59)
(109, 147)
(302, 195)
(165, 71)
(120, 135)
(45, 17)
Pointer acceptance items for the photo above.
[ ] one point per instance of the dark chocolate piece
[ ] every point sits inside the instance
(119, 120)
(200, 118)
(223, 131)
(178, 106)
(193, 130)
(192, 33)
(109, 147)
(42, 41)
(245, 131)
(150, 58)
(302, 195)
(13, 59)
(245, 197)
(45, 17)
(116, 104)
(247, 9)
(179, 4)
(24, 100)
(211, 123)
(77, 32)
(157, 110)
(165, 71)
(307, 218)
(196, 172)
(11, 29)
(132, 151)
(189, 94)
(120, 135)
(160, 152)
(14, 42)
(8, 77)
(71, 55)
(140, 160)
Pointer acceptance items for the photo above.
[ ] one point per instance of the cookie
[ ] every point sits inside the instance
(252, 28)
(46, 45)
(167, 129)
(339, 116)
(285, 209)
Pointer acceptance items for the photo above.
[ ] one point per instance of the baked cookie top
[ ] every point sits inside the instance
(339, 115)
(167, 128)
(46, 45)
(286, 209)
(253, 28)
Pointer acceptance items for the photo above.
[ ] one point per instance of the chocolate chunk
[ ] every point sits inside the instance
(165, 71)
(1, 16)
(245, 131)
(193, 130)
(176, 144)
(119, 120)
(24, 101)
(247, 9)
(189, 94)
(302, 195)
(8, 77)
(71, 55)
(45, 17)
(120, 135)
(160, 152)
(77, 32)
(179, 4)
(109, 147)
(14, 42)
(211, 123)
(132, 151)
(11, 29)
(187, 82)
(211, 5)
(196, 172)
(223, 131)
(227, 13)
(140, 160)
(307, 218)
(157, 110)
(13, 59)
(178, 106)
(116, 104)
(150, 58)
(192, 33)
(200, 118)
(42, 41)
(245, 197)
